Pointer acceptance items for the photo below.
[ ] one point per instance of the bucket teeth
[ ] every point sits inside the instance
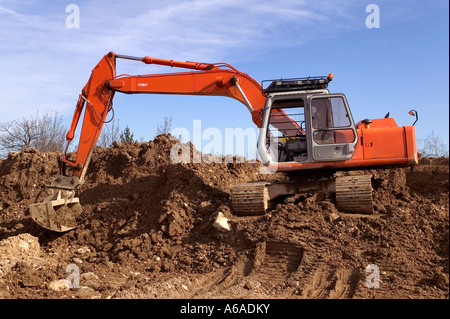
(58, 212)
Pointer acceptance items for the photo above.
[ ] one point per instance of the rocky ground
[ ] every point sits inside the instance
(146, 231)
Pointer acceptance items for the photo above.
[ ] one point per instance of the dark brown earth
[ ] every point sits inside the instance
(147, 232)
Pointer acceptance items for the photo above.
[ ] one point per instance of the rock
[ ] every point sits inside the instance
(89, 292)
(334, 216)
(441, 279)
(83, 250)
(251, 284)
(221, 223)
(21, 248)
(91, 280)
(88, 276)
(59, 285)
(116, 144)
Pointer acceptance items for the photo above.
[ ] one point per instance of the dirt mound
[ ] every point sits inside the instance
(146, 231)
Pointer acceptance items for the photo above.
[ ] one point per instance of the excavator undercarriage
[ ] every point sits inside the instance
(353, 193)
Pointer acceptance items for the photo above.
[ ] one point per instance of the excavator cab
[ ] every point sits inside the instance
(305, 127)
(303, 123)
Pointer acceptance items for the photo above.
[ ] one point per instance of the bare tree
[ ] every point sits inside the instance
(45, 133)
(165, 126)
(52, 133)
(110, 134)
(17, 134)
(432, 146)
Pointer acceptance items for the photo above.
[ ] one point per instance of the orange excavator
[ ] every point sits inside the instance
(302, 126)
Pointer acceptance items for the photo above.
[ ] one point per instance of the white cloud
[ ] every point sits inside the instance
(45, 65)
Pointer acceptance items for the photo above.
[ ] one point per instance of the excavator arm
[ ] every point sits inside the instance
(60, 209)
(96, 98)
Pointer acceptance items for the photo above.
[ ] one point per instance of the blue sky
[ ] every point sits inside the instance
(400, 66)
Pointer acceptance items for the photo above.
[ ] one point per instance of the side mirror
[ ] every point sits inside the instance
(414, 113)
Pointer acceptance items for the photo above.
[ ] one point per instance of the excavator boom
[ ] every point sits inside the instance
(60, 209)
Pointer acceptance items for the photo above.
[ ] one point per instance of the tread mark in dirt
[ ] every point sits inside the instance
(280, 260)
(218, 281)
(330, 283)
(345, 283)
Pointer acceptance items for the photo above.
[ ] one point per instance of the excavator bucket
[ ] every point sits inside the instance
(58, 212)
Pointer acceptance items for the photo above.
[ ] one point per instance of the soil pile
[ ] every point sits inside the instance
(147, 231)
